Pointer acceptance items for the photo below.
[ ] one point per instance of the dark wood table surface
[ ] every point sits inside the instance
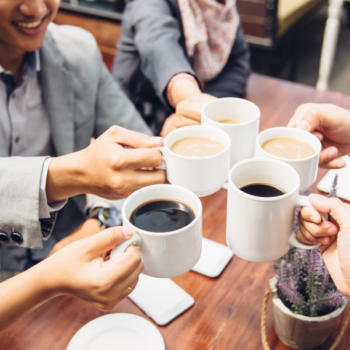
(227, 310)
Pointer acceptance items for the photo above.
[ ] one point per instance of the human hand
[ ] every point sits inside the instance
(81, 271)
(334, 236)
(106, 167)
(169, 125)
(331, 124)
(188, 112)
(86, 229)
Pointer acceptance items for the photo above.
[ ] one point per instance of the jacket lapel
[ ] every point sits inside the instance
(57, 85)
(3, 147)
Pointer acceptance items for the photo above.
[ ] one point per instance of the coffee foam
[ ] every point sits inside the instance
(288, 148)
(197, 147)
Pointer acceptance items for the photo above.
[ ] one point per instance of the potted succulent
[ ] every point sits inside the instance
(306, 303)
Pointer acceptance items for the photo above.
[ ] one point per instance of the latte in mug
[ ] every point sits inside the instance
(287, 147)
(197, 147)
(229, 121)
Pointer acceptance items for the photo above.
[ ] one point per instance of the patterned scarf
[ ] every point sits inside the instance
(210, 30)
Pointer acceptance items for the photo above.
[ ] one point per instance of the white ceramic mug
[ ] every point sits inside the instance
(167, 254)
(243, 136)
(203, 176)
(307, 168)
(260, 228)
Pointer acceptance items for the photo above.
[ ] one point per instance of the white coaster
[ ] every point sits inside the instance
(214, 258)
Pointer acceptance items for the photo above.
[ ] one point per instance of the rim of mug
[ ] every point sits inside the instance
(308, 134)
(170, 233)
(241, 100)
(264, 199)
(198, 159)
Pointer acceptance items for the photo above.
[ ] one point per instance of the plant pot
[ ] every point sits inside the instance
(298, 331)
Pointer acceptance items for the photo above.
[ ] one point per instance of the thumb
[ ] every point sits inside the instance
(134, 139)
(320, 117)
(311, 120)
(332, 206)
(108, 239)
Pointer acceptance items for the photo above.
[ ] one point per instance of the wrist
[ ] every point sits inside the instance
(66, 177)
(182, 89)
(45, 283)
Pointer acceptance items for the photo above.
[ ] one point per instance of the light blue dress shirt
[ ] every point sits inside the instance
(24, 123)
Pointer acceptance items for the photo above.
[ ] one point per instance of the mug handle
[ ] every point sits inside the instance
(135, 241)
(162, 165)
(303, 201)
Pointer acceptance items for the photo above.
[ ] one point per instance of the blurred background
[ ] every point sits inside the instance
(285, 36)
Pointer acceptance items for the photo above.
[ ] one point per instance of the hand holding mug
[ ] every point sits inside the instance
(80, 269)
(106, 167)
(334, 236)
(188, 112)
(331, 124)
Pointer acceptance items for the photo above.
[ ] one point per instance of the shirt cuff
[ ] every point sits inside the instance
(171, 83)
(44, 208)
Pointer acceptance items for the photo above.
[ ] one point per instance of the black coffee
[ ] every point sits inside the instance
(263, 190)
(162, 215)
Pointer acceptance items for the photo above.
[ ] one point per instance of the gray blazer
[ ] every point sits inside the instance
(151, 50)
(82, 100)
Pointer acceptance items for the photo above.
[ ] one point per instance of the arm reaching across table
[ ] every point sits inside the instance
(106, 168)
(331, 124)
(78, 270)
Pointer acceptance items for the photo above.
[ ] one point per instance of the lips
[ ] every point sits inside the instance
(30, 25)
(30, 28)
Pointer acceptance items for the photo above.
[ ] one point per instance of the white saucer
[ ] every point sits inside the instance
(117, 332)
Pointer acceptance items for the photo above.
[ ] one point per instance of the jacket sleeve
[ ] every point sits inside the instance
(113, 107)
(20, 198)
(232, 81)
(156, 36)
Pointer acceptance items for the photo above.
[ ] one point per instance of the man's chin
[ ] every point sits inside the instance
(31, 45)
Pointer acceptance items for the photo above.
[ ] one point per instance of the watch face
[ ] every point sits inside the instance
(112, 217)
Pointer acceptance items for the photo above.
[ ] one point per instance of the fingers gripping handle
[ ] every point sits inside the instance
(135, 241)
(162, 166)
(303, 201)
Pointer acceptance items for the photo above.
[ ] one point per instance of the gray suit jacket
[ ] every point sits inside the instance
(82, 100)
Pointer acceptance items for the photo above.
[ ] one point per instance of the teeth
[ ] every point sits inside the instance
(29, 25)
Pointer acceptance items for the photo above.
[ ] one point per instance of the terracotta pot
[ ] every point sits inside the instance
(298, 331)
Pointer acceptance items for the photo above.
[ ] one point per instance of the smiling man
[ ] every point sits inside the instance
(55, 95)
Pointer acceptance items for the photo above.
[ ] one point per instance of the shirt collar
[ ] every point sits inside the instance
(31, 63)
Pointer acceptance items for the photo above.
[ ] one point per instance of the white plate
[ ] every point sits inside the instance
(117, 332)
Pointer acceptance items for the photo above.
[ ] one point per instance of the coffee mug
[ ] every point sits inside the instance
(260, 228)
(166, 254)
(307, 168)
(203, 176)
(243, 136)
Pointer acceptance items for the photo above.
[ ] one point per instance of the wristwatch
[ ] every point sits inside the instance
(106, 217)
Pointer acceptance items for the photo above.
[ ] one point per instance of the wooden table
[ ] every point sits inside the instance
(227, 311)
